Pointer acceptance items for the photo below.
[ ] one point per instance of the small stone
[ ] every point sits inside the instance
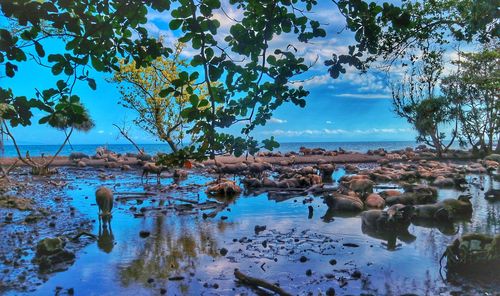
(163, 291)
(356, 274)
(333, 262)
(259, 228)
(144, 233)
(330, 292)
(223, 251)
(303, 259)
(150, 280)
(309, 272)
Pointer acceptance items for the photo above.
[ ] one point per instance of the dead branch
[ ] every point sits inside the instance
(255, 282)
(126, 136)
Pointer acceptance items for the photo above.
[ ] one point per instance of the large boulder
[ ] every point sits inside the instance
(375, 201)
(342, 202)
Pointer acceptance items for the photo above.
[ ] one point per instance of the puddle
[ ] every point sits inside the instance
(185, 254)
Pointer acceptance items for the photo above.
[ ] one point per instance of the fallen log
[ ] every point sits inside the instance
(255, 282)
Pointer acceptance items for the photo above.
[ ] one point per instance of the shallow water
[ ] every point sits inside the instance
(186, 248)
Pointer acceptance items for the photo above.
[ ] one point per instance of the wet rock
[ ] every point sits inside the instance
(49, 246)
(441, 181)
(51, 255)
(330, 292)
(224, 188)
(375, 201)
(356, 274)
(126, 167)
(223, 251)
(342, 202)
(258, 228)
(180, 174)
(144, 233)
(9, 217)
(22, 204)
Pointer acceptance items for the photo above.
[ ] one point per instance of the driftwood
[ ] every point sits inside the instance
(5, 172)
(84, 233)
(255, 282)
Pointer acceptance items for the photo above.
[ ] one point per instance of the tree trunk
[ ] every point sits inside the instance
(497, 150)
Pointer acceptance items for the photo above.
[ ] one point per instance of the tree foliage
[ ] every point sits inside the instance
(142, 88)
(415, 99)
(70, 38)
(252, 79)
(475, 87)
(394, 32)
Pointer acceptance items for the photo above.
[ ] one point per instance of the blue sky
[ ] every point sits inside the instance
(352, 108)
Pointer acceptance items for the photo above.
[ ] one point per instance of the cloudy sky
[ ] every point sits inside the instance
(354, 107)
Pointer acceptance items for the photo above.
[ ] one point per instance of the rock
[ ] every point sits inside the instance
(180, 174)
(375, 201)
(332, 261)
(258, 229)
(441, 181)
(356, 274)
(50, 254)
(309, 272)
(77, 156)
(224, 188)
(49, 246)
(126, 167)
(144, 233)
(223, 251)
(330, 292)
(303, 259)
(494, 157)
(350, 245)
(492, 194)
(342, 202)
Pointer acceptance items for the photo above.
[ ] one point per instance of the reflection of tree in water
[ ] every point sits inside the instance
(171, 250)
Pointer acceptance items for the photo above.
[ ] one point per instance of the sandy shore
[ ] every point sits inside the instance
(309, 159)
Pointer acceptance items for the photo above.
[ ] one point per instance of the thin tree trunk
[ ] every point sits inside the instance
(126, 136)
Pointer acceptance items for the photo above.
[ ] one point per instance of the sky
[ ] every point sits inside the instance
(354, 107)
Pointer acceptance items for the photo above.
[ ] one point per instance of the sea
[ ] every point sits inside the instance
(90, 149)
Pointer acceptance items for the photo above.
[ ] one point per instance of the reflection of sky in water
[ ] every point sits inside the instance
(189, 246)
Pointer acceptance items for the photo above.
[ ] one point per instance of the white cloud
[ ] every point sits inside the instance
(277, 120)
(313, 81)
(326, 131)
(365, 96)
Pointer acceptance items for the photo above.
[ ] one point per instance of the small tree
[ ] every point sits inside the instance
(474, 86)
(71, 116)
(141, 91)
(414, 99)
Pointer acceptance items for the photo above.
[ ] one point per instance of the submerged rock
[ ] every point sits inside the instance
(52, 256)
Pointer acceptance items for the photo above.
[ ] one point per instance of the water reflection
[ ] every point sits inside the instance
(105, 239)
(172, 250)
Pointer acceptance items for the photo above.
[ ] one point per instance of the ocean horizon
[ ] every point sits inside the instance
(90, 149)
